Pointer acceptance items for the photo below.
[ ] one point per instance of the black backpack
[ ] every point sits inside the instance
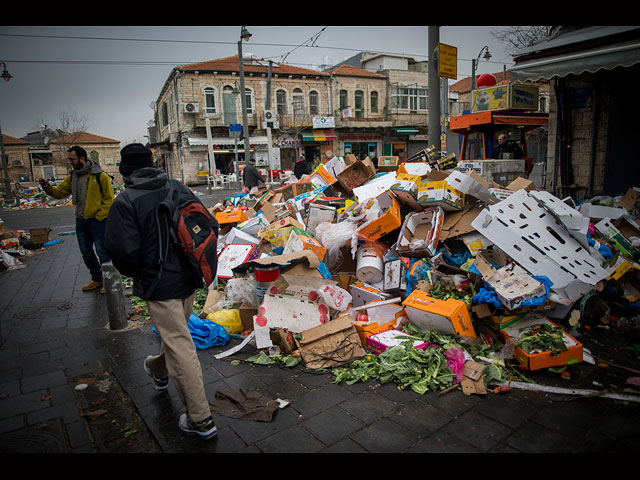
(182, 219)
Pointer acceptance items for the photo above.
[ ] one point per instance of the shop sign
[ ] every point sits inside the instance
(324, 122)
(289, 142)
(447, 61)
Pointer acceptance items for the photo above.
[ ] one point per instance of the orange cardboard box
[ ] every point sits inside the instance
(537, 360)
(234, 216)
(448, 316)
(386, 223)
(300, 240)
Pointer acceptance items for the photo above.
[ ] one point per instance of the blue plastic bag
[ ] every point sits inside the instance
(205, 333)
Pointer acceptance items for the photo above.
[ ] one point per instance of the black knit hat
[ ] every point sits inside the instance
(133, 157)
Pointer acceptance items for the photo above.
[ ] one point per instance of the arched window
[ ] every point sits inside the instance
(281, 101)
(359, 104)
(249, 99)
(343, 99)
(229, 105)
(374, 102)
(209, 100)
(314, 109)
(93, 155)
(298, 101)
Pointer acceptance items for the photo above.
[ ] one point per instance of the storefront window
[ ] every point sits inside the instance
(474, 146)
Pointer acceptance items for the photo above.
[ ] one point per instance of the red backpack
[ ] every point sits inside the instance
(193, 229)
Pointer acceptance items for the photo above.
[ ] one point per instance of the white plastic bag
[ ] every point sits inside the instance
(334, 236)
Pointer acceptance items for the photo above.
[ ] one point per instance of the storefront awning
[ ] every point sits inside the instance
(320, 135)
(217, 141)
(548, 60)
(406, 130)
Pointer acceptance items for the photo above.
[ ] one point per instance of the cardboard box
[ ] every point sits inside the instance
(247, 312)
(375, 186)
(389, 221)
(415, 168)
(318, 214)
(321, 177)
(379, 342)
(283, 339)
(356, 174)
(233, 216)
(629, 200)
(476, 242)
(440, 193)
(406, 189)
(538, 360)
(608, 228)
(39, 235)
(448, 316)
(332, 344)
(513, 285)
(253, 225)
(301, 240)
(234, 255)
(277, 233)
(535, 240)
(420, 233)
(521, 184)
(395, 275)
(388, 163)
(627, 274)
(240, 237)
(363, 293)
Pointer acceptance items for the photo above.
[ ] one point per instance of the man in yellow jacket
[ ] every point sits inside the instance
(92, 195)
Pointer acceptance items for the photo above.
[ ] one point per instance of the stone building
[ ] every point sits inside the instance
(18, 167)
(103, 150)
(594, 99)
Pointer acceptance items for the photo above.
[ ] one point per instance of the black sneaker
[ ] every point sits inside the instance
(205, 429)
(159, 383)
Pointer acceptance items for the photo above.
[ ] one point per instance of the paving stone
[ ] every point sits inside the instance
(532, 437)
(253, 431)
(345, 445)
(442, 442)
(477, 430)
(293, 440)
(320, 399)
(332, 425)
(368, 406)
(23, 403)
(48, 380)
(421, 418)
(385, 436)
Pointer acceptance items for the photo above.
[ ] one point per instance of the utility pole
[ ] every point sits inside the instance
(434, 88)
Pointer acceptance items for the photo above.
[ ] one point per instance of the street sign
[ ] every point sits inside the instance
(235, 129)
(447, 61)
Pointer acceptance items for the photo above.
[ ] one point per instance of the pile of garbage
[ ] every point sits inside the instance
(422, 274)
(16, 245)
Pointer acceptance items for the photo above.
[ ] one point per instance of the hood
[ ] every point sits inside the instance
(148, 178)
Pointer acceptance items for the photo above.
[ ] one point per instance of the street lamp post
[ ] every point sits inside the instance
(474, 63)
(6, 76)
(244, 36)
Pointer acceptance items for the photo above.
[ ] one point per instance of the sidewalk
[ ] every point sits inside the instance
(55, 337)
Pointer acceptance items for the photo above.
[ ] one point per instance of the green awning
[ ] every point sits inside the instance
(406, 130)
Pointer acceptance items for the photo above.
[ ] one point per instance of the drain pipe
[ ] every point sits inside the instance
(114, 291)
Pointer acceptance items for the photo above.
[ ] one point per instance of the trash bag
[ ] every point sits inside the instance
(229, 319)
(206, 333)
(334, 236)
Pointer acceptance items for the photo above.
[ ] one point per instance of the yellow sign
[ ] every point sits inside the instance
(202, 174)
(447, 61)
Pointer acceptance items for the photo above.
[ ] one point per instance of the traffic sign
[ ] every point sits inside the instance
(447, 61)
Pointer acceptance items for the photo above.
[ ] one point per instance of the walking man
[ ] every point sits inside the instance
(92, 195)
(251, 176)
(132, 240)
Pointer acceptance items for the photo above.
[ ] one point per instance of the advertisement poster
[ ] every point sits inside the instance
(491, 98)
(500, 97)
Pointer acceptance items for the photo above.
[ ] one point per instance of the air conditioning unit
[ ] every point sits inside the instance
(190, 107)
(269, 116)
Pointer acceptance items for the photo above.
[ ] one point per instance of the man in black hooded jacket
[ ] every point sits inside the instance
(132, 240)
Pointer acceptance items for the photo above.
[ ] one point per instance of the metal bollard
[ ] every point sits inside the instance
(114, 292)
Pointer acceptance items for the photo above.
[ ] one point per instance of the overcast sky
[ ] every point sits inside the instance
(113, 74)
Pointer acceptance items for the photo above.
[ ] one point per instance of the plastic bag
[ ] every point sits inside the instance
(228, 319)
(242, 290)
(455, 362)
(334, 236)
(336, 297)
(205, 334)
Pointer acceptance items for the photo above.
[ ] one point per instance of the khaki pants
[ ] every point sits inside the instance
(178, 357)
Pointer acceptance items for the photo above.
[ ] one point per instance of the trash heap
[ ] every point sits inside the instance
(422, 274)
(16, 245)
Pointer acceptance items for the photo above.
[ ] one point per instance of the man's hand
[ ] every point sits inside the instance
(43, 183)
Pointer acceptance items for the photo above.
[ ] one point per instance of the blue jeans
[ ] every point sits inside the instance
(90, 234)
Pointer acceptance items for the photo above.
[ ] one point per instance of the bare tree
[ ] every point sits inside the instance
(73, 123)
(517, 37)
